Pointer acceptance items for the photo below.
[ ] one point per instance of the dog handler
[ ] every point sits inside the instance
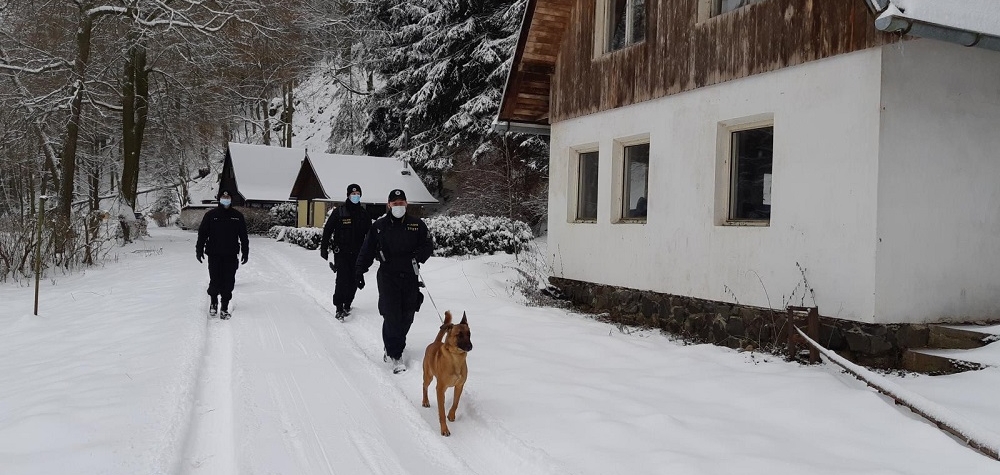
(346, 227)
(221, 235)
(396, 240)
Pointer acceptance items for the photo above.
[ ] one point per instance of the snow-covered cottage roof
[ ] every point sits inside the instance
(262, 172)
(377, 176)
(966, 22)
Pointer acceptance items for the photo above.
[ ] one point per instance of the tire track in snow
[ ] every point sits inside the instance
(489, 448)
(313, 385)
(210, 446)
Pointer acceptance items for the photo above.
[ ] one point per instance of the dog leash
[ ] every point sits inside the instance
(420, 281)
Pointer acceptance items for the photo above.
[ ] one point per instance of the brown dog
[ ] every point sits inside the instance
(445, 360)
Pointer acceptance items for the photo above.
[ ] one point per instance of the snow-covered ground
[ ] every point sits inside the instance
(122, 373)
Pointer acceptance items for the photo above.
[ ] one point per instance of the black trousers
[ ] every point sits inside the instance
(398, 299)
(222, 277)
(346, 286)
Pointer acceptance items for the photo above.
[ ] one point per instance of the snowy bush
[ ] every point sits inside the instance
(285, 214)
(472, 235)
(165, 206)
(308, 238)
(259, 220)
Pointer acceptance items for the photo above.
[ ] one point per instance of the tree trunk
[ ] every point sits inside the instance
(135, 110)
(286, 115)
(68, 159)
(266, 140)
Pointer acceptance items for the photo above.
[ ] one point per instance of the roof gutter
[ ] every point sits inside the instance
(894, 22)
(509, 126)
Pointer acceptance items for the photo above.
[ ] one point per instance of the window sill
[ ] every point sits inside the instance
(746, 223)
(608, 54)
(631, 221)
(583, 221)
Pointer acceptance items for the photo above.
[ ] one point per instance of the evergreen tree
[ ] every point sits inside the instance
(444, 65)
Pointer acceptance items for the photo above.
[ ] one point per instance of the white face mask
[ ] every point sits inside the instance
(355, 199)
(225, 202)
(398, 211)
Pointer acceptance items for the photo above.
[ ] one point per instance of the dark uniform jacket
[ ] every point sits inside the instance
(395, 243)
(223, 232)
(347, 226)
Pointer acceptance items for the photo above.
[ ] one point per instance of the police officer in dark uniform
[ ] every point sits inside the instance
(347, 226)
(399, 242)
(221, 235)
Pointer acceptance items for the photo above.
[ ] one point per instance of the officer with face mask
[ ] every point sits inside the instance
(221, 235)
(344, 232)
(399, 241)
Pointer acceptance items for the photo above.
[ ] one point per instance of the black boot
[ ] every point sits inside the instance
(213, 308)
(224, 314)
(341, 314)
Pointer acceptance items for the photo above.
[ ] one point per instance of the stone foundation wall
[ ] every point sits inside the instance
(741, 326)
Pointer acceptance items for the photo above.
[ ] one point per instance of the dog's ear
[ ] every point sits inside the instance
(465, 320)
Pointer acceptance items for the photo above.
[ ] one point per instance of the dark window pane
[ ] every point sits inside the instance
(638, 20)
(636, 180)
(586, 207)
(616, 24)
(752, 154)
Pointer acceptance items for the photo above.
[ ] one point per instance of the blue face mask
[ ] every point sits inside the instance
(225, 202)
(355, 199)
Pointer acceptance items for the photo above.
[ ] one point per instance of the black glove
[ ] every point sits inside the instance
(200, 256)
(333, 267)
(361, 280)
(324, 253)
(245, 258)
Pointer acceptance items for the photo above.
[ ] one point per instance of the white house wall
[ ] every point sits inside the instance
(823, 218)
(939, 183)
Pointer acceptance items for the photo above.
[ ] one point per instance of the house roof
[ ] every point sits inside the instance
(377, 176)
(265, 173)
(526, 93)
(966, 22)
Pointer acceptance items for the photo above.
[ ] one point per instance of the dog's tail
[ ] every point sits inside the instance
(444, 326)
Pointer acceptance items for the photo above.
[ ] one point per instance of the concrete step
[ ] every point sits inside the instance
(954, 349)
(953, 337)
(930, 361)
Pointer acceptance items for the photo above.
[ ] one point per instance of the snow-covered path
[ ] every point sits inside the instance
(287, 390)
(123, 373)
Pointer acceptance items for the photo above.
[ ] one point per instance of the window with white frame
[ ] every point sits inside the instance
(635, 181)
(587, 179)
(751, 155)
(724, 6)
(621, 23)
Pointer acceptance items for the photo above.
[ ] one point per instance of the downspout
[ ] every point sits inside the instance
(890, 20)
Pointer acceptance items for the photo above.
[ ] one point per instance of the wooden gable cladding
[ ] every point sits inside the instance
(680, 53)
(526, 96)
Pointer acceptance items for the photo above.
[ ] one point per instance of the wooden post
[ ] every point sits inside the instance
(38, 248)
(809, 316)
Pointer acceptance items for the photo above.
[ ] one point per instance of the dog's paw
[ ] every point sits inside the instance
(446, 432)
(451, 418)
(426, 404)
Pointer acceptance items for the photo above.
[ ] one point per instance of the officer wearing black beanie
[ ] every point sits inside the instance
(344, 233)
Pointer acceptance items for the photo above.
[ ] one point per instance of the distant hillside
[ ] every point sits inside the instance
(316, 105)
